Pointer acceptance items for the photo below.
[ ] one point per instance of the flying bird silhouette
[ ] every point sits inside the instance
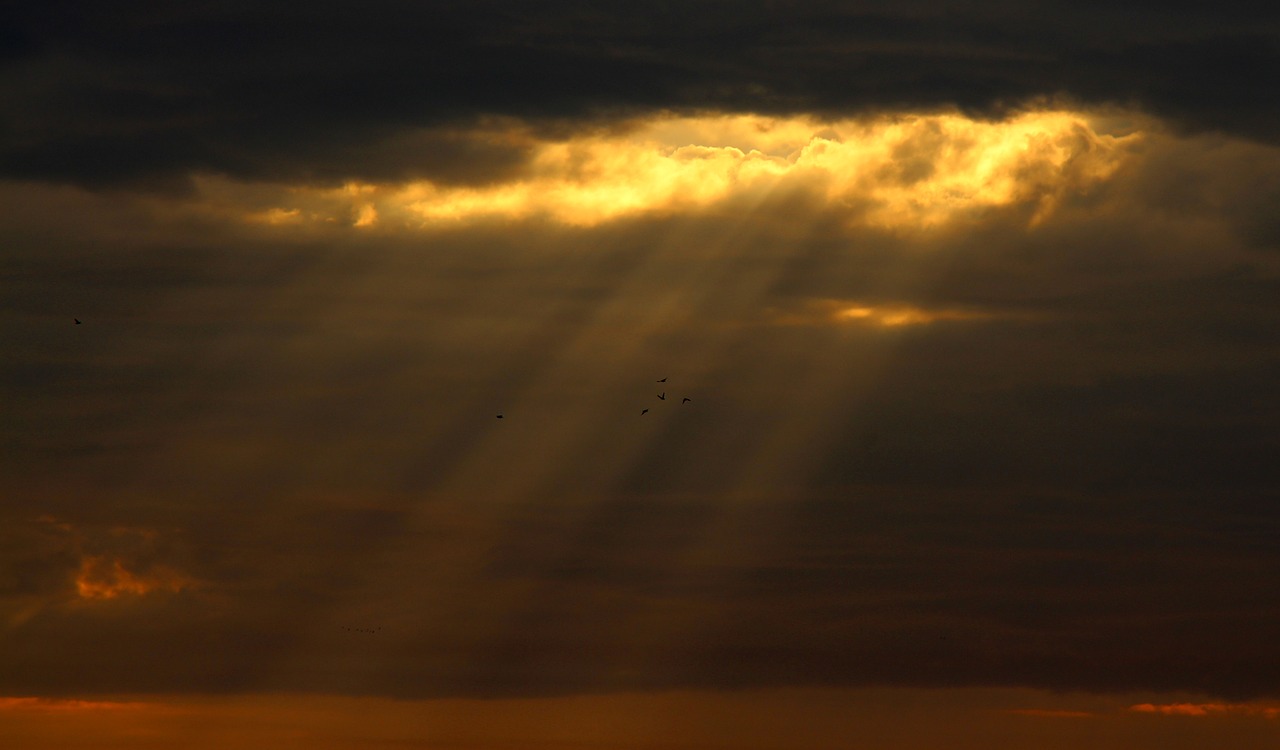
(77, 320)
(663, 380)
(686, 400)
(644, 412)
(662, 396)
(499, 416)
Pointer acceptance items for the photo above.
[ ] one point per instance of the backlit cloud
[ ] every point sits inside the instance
(888, 315)
(895, 316)
(65, 562)
(103, 577)
(900, 171)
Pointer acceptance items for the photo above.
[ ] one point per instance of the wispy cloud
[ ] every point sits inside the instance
(27, 703)
(879, 314)
(1202, 710)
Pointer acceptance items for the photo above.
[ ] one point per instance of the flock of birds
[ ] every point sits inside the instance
(661, 397)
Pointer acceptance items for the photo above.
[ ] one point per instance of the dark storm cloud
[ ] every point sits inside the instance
(145, 93)
(39, 560)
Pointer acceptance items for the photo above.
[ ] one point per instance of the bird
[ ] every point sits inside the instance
(663, 380)
(644, 412)
(686, 400)
(499, 416)
(77, 320)
(662, 396)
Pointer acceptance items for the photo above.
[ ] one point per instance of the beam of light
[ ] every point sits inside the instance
(557, 375)
(542, 439)
(594, 179)
(912, 170)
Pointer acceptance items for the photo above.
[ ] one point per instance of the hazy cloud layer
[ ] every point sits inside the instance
(1016, 446)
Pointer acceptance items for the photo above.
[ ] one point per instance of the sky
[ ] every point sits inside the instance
(741, 375)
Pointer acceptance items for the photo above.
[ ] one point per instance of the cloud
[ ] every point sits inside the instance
(847, 312)
(1202, 710)
(61, 705)
(903, 171)
(127, 96)
(53, 564)
(103, 578)
(1056, 469)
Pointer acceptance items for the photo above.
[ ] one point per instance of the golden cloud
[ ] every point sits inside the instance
(916, 171)
(893, 315)
(101, 577)
(111, 561)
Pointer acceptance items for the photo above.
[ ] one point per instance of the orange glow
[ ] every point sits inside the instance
(893, 317)
(781, 719)
(1207, 709)
(367, 216)
(277, 216)
(827, 312)
(100, 578)
(904, 171)
(62, 704)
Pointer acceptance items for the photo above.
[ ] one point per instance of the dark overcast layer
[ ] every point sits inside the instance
(1060, 474)
(146, 92)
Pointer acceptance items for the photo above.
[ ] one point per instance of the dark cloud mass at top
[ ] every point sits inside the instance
(145, 93)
